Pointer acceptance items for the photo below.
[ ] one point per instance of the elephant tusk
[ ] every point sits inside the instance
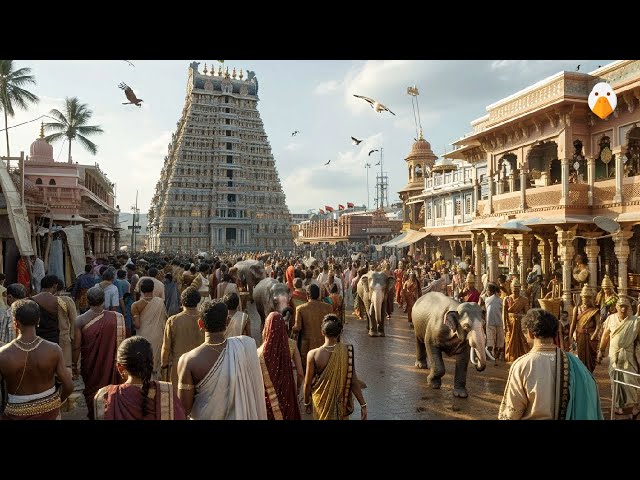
(489, 356)
(473, 358)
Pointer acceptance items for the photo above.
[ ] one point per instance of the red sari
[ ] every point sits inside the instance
(24, 275)
(124, 402)
(275, 360)
(101, 338)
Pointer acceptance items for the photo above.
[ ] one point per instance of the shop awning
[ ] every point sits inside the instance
(394, 241)
(412, 238)
(65, 217)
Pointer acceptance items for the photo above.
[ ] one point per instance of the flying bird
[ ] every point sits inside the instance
(130, 63)
(328, 162)
(356, 141)
(130, 95)
(371, 151)
(295, 133)
(377, 106)
(378, 163)
(578, 68)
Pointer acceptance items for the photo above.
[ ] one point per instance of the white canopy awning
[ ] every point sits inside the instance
(405, 239)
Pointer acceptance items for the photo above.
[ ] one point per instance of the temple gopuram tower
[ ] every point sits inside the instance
(219, 188)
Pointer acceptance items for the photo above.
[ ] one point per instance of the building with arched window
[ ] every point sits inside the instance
(553, 166)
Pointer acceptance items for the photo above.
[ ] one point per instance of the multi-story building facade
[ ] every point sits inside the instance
(344, 227)
(219, 188)
(61, 194)
(553, 166)
(439, 202)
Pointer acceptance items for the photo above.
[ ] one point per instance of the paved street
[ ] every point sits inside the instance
(396, 390)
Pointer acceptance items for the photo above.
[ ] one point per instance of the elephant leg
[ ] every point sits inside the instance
(383, 314)
(460, 379)
(421, 354)
(437, 366)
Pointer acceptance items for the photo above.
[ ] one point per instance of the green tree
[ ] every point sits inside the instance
(11, 92)
(72, 124)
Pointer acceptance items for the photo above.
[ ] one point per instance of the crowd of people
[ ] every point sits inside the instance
(159, 337)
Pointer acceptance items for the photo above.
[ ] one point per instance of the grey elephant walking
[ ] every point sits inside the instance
(373, 290)
(445, 325)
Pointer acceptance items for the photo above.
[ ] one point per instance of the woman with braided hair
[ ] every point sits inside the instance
(139, 397)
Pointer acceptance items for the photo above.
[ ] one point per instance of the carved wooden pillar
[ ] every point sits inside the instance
(566, 252)
(512, 253)
(524, 252)
(523, 189)
(617, 198)
(477, 257)
(621, 250)
(591, 177)
(490, 185)
(564, 200)
(543, 252)
(592, 250)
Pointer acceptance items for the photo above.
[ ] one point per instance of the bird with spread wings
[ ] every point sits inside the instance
(130, 95)
(356, 141)
(377, 106)
(371, 151)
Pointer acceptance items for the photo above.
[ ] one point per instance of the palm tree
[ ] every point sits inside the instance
(11, 92)
(73, 125)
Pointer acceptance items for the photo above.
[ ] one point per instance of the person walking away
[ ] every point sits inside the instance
(221, 379)
(139, 397)
(149, 318)
(181, 335)
(331, 380)
(30, 366)
(275, 361)
(548, 383)
(98, 334)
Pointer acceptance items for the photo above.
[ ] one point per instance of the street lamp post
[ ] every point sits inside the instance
(367, 166)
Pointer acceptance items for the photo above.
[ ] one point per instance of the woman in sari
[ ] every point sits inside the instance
(139, 398)
(411, 291)
(275, 361)
(331, 381)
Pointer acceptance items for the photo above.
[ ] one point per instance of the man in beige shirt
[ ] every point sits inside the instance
(548, 383)
(181, 334)
(309, 321)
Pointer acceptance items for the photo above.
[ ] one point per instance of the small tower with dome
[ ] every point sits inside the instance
(40, 151)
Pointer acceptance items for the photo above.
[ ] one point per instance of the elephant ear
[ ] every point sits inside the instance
(451, 320)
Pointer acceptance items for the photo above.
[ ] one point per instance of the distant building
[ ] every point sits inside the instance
(346, 226)
(219, 188)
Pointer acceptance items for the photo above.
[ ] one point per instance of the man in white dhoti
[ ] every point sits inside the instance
(149, 318)
(221, 379)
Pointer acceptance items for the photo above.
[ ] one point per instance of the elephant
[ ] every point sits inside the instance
(250, 273)
(373, 290)
(271, 295)
(444, 325)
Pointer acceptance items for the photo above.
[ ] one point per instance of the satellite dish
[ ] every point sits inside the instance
(607, 224)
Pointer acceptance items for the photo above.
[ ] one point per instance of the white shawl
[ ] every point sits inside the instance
(234, 388)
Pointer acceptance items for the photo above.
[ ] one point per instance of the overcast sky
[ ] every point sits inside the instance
(314, 97)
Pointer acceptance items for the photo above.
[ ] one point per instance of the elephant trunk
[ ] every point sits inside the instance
(377, 297)
(477, 342)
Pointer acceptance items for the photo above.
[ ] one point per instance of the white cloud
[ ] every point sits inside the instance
(292, 147)
(326, 87)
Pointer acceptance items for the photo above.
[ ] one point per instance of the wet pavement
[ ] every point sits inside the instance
(396, 390)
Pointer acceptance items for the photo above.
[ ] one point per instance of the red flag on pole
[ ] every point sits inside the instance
(340, 207)
(328, 208)
(349, 205)
(321, 211)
